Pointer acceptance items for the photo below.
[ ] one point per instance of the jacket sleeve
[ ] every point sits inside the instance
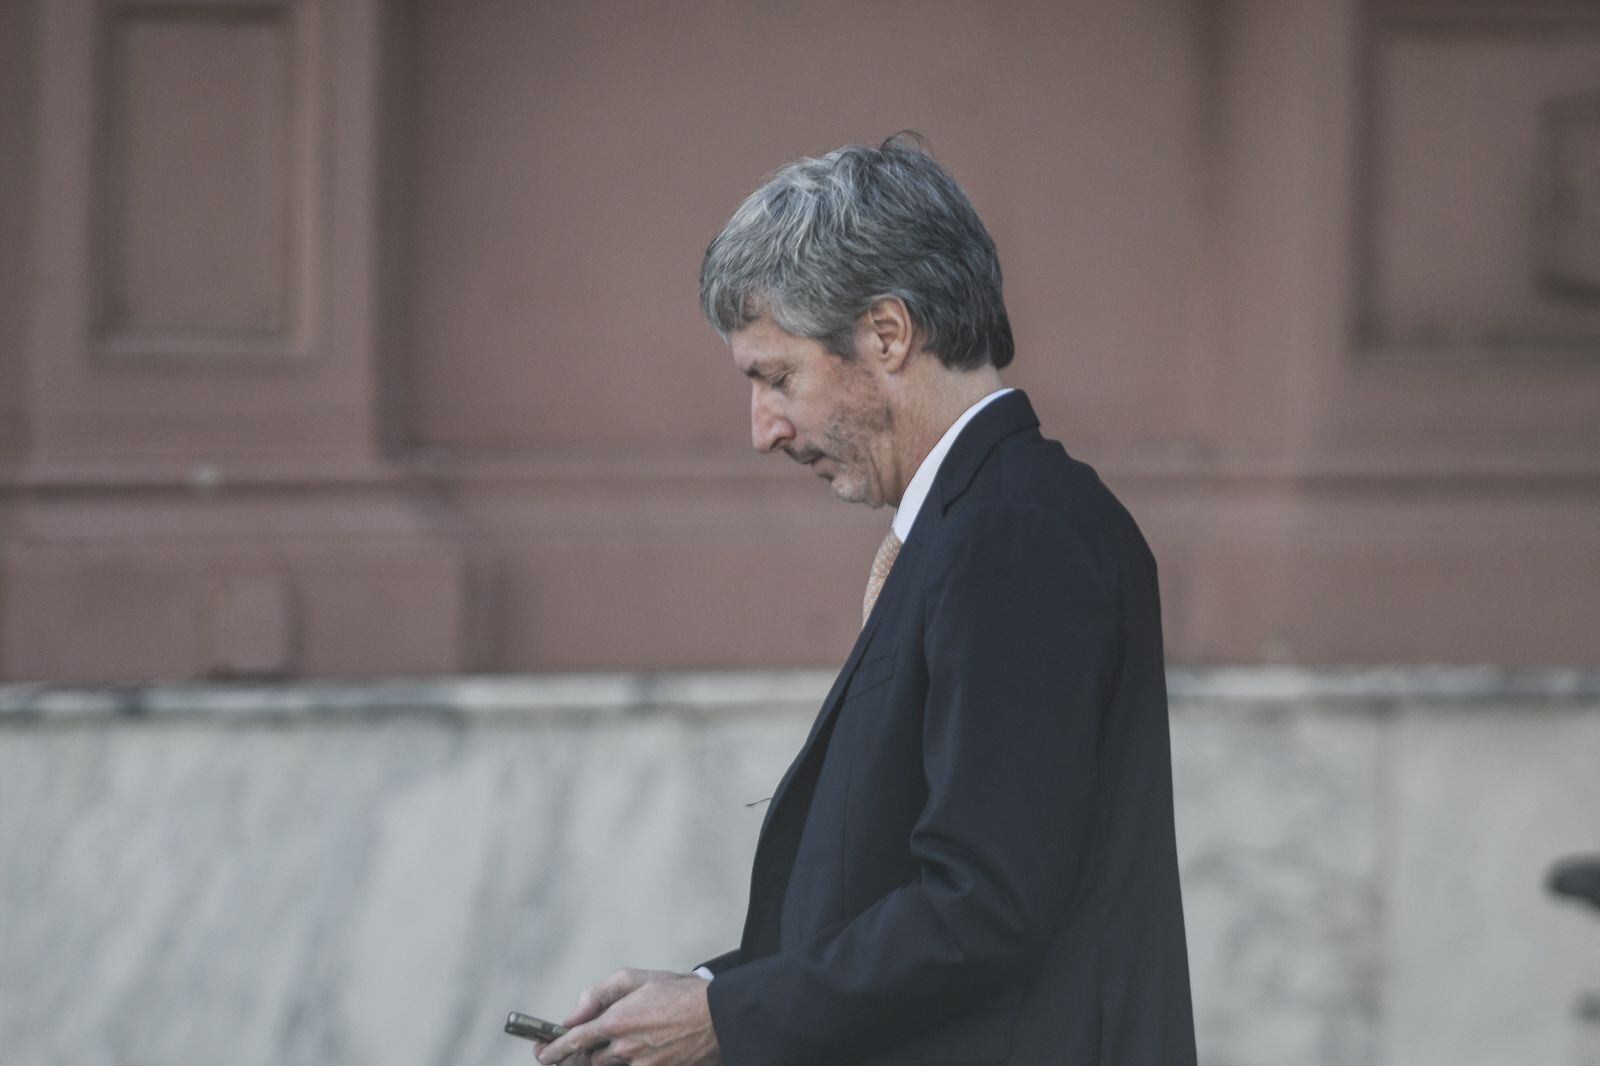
(722, 963)
(1021, 635)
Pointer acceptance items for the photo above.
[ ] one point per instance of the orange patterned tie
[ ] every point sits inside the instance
(882, 563)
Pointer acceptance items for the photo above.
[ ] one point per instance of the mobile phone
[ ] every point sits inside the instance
(530, 1028)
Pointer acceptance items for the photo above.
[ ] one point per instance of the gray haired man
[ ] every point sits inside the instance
(971, 859)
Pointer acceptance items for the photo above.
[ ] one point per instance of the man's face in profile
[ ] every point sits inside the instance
(821, 410)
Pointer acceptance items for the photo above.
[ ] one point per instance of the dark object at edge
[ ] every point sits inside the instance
(1577, 876)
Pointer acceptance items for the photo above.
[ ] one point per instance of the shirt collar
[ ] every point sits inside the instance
(917, 491)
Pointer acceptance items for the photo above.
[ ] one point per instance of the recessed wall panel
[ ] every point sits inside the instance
(1568, 252)
(1480, 140)
(199, 235)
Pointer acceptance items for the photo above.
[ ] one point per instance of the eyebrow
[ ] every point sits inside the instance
(759, 370)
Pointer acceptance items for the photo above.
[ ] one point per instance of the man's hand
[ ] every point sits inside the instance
(639, 1018)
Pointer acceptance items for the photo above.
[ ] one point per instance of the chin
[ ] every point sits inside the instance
(854, 492)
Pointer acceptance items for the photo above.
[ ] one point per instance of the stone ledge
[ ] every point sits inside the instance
(586, 694)
(735, 691)
(1384, 684)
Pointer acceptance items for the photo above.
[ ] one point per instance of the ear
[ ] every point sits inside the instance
(888, 332)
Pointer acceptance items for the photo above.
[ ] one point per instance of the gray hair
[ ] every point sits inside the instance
(824, 238)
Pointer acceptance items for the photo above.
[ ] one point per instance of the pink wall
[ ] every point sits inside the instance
(560, 216)
(424, 387)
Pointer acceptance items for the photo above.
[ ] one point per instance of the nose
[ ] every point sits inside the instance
(769, 430)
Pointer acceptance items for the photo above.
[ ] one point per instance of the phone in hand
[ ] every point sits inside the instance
(530, 1028)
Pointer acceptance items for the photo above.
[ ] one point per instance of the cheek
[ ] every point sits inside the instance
(840, 437)
(855, 423)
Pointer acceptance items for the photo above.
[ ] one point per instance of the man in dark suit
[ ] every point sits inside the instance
(971, 860)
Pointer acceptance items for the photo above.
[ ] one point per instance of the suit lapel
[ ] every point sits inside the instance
(786, 813)
(830, 705)
(1005, 416)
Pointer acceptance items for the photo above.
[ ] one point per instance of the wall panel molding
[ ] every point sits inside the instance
(16, 214)
(1377, 240)
(205, 198)
(1567, 224)
(1490, 14)
(208, 188)
(1474, 153)
(202, 491)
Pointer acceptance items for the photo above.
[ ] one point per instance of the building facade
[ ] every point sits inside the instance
(340, 337)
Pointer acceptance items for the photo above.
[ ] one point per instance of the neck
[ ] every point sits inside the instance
(923, 421)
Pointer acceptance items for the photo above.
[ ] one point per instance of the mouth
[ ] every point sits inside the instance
(816, 460)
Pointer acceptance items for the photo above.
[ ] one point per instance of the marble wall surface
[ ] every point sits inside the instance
(364, 875)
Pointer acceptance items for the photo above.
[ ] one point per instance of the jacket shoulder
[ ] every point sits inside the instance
(1030, 490)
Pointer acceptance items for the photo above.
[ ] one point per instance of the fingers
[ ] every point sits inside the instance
(621, 983)
(591, 1036)
(588, 1009)
(598, 997)
(572, 1048)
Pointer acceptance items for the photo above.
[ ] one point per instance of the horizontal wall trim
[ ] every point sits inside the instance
(1497, 14)
(1175, 460)
(619, 466)
(624, 695)
(183, 475)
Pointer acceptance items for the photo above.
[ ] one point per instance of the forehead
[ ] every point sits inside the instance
(762, 347)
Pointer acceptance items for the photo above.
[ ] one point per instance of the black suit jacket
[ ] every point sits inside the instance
(971, 860)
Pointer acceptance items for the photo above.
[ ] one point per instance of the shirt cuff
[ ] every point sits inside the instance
(701, 971)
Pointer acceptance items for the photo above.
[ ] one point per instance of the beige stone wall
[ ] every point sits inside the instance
(348, 337)
(362, 875)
